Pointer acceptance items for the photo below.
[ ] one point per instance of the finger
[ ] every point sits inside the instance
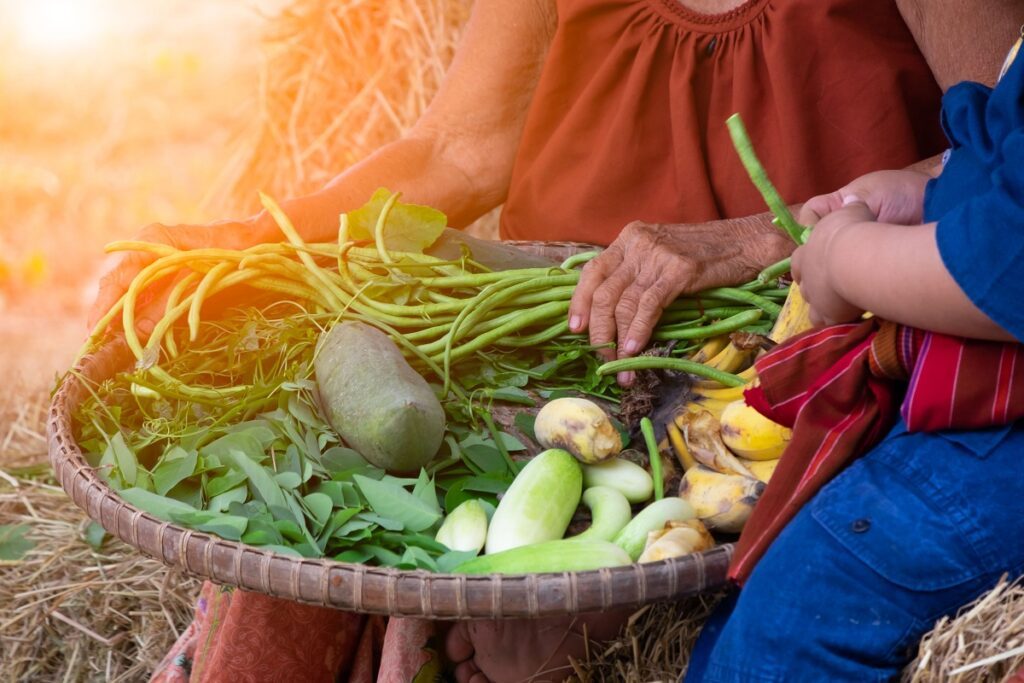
(796, 265)
(652, 302)
(602, 312)
(625, 311)
(457, 645)
(592, 276)
(857, 209)
(816, 208)
(467, 671)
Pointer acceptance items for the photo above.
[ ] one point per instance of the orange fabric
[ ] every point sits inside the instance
(243, 637)
(628, 122)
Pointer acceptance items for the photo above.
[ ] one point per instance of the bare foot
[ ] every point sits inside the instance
(535, 650)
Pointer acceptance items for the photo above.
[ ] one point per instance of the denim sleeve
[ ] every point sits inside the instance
(981, 241)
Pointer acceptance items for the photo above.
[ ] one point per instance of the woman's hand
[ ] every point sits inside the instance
(892, 196)
(814, 263)
(622, 292)
(150, 305)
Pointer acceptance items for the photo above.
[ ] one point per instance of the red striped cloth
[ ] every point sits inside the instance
(839, 388)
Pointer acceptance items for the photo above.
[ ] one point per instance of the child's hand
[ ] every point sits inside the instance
(813, 263)
(892, 196)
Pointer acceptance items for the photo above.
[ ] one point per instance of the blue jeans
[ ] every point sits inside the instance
(918, 527)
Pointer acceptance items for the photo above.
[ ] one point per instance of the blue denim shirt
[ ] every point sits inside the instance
(978, 200)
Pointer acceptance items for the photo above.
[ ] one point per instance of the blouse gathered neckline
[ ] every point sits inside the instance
(678, 13)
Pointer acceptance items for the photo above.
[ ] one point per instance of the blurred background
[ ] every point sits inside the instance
(117, 113)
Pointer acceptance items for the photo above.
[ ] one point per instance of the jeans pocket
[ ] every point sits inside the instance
(895, 527)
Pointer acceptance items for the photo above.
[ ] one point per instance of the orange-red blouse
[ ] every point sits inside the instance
(628, 122)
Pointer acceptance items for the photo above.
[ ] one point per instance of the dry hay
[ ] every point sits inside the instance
(340, 79)
(655, 644)
(983, 643)
(72, 613)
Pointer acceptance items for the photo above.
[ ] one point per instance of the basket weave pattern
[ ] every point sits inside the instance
(353, 587)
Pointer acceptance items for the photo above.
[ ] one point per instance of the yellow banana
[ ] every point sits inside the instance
(722, 501)
(794, 318)
(675, 437)
(731, 359)
(762, 469)
(677, 539)
(727, 394)
(702, 435)
(751, 435)
(711, 349)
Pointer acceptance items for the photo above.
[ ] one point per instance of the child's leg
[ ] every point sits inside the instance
(915, 529)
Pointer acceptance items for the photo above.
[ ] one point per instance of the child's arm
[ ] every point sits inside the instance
(852, 263)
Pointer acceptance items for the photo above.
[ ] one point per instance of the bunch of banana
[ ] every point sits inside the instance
(727, 449)
(721, 489)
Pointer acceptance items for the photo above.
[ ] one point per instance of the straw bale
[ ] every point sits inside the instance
(340, 79)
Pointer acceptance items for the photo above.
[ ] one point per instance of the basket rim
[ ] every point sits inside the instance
(355, 587)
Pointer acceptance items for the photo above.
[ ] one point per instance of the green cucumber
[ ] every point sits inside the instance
(633, 481)
(375, 401)
(465, 529)
(564, 555)
(539, 504)
(609, 513)
(633, 536)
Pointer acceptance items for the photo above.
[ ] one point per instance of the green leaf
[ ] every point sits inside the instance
(511, 395)
(188, 492)
(385, 557)
(335, 490)
(127, 462)
(225, 482)
(525, 422)
(486, 484)
(265, 534)
(354, 556)
(259, 478)
(295, 506)
(426, 491)
(176, 466)
(319, 506)
(155, 504)
(13, 544)
(417, 558)
(340, 459)
(302, 412)
(257, 429)
(242, 442)
(288, 480)
(511, 443)
(392, 501)
(382, 522)
(94, 535)
(487, 459)
(337, 519)
(452, 559)
(409, 227)
(222, 501)
(456, 496)
(230, 527)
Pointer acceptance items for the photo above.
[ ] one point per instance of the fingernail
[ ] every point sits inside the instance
(624, 378)
(632, 346)
(851, 199)
(575, 322)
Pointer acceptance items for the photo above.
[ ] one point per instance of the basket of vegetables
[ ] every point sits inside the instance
(400, 422)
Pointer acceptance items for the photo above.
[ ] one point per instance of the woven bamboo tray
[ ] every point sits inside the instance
(355, 587)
